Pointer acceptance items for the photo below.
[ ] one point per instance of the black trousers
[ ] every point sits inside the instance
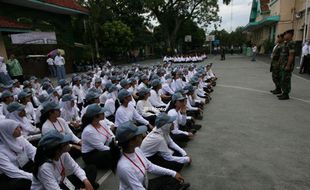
(7, 183)
(164, 183)
(160, 161)
(111, 118)
(151, 119)
(101, 159)
(91, 174)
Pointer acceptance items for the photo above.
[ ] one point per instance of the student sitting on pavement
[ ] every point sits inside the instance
(133, 166)
(55, 169)
(52, 121)
(18, 114)
(16, 156)
(144, 107)
(160, 149)
(96, 138)
(70, 113)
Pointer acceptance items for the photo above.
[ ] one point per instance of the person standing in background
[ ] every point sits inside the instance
(15, 69)
(4, 76)
(275, 67)
(59, 62)
(51, 66)
(254, 52)
(304, 67)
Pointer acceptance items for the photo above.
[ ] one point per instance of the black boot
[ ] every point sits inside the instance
(284, 97)
(277, 91)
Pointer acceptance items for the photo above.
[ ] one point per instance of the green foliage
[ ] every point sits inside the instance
(235, 38)
(115, 37)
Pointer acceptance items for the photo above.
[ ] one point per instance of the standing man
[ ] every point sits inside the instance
(15, 70)
(51, 66)
(286, 61)
(59, 62)
(254, 52)
(275, 67)
(305, 58)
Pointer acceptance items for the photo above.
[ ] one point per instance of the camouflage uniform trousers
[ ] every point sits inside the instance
(275, 69)
(285, 81)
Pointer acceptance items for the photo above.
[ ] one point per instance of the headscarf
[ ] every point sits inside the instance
(7, 128)
(27, 127)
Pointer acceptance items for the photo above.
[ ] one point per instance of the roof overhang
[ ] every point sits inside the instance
(266, 21)
(48, 7)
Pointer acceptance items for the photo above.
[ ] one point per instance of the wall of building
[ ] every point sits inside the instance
(2, 47)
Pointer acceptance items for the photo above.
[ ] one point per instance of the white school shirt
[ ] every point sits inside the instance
(110, 107)
(189, 103)
(155, 99)
(155, 142)
(131, 178)
(129, 113)
(50, 61)
(49, 174)
(77, 92)
(96, 138)
(9, 164)
(144, 108)
(166, 89)
(61, 126)
(30, 112)
(141, 85)
(59, 60)
(181, 120)
(5, 109)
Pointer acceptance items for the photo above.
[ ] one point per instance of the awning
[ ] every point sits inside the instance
(266, 21)
(9, 25)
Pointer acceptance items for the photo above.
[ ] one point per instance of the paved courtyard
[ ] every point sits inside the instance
(250, 139)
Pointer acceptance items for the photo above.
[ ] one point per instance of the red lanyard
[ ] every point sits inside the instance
(136, 164)
(62, 129)
(108, 135)
(62, 171)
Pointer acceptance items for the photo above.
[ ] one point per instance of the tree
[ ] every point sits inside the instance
(116, 38)
(172, 14)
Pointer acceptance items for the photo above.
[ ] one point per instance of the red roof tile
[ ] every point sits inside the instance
(68, 4)
(9, 23)
(264, 5)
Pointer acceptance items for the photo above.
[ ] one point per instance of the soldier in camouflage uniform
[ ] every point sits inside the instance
(286, 61)
(275, 67)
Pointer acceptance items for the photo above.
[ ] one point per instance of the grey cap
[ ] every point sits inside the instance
(98, 80)
(91, 95)
(163, 119)
(51, 90)
(67, 97)
(168, 77)
(94, 109)
(189, 88)
(143, 91)
(33, 78)
(62, 82)
(84, 81)
(128, 130)
(48, 106)
(124, 82)
(76, 78)
(155, 82)
(177, 96)
(53, 138)
(112, 88)
(66, 90)
(144, 77)
(6, 94)
(26, 83)
(131, 79)
(43, 98)
(123, 94)
(15, 106)
(23, 94)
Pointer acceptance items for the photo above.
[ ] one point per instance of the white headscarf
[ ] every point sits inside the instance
(7, 128)
(24, 122)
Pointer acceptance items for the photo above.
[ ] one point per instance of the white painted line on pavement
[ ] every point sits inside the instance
(301, 78)
(261, 91)
(104, 177)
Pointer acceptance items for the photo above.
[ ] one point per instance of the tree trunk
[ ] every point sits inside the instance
(171, 41)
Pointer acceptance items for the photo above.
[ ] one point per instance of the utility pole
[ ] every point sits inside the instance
(306, 27)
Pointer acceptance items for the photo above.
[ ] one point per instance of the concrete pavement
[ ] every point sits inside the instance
(249, 139)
